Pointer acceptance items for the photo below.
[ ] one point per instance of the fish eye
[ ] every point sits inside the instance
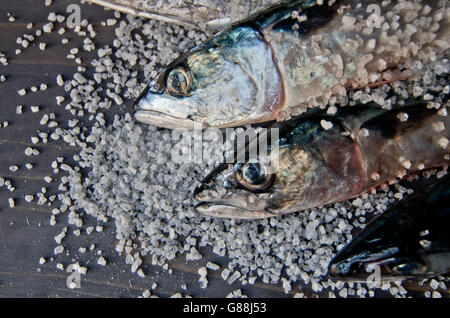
(178, 82)
(408, 268)
(255, 176)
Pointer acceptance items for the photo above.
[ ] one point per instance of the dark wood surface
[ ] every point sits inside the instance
(25, 232)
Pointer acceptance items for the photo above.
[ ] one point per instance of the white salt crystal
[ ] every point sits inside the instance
(326, 124)
(101, 261)
(58, 250)
(59, 80)
(48, 27)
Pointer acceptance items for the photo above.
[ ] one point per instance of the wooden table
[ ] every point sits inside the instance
(25, 232)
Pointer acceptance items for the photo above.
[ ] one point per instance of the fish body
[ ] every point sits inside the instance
(293, 56)
(323, 159)
(209, 14)
(410, 239)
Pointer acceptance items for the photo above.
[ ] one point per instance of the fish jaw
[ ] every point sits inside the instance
(219, 195)
(232, 212)
(163, 120)
(229, 202)
(389, 265)
(361, 263)
(163, 111)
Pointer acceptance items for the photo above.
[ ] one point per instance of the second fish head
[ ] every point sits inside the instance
(310, 167)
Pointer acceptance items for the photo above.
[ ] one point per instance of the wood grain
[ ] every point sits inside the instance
(25, 231)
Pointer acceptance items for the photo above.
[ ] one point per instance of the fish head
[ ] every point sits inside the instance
(252, 189)
(231, 80)
(236, 191)
(307, 167)
(388, 261)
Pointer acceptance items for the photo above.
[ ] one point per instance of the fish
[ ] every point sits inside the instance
(410, 239)
(193, 14)
(321, 159)
(291, 57)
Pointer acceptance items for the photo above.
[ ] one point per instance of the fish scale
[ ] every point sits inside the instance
(395, 149)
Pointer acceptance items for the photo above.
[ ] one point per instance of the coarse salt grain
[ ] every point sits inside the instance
(58, 250)
(59, 80)
(443, 142)
(402, 116)
(101, 261)
(13, 168)
(48, 27)
(326, 124)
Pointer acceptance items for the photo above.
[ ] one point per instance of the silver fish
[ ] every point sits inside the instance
(324, 159)
(206, 14)
(292, 57)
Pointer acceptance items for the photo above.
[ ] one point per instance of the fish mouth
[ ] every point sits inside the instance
(363, 264)
(225, 210)
(366, 272)
(156, 108)
(158, 119)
